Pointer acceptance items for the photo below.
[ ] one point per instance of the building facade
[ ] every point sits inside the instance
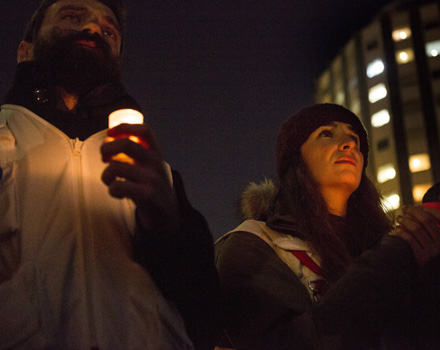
(389, 75)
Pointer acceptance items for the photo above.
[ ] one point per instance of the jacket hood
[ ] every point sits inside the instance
(89, 116)
(256, 200)
(256, 204)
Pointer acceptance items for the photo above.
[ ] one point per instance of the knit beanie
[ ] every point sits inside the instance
(297, 129)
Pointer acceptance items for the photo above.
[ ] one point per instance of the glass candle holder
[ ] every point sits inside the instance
(125, 116)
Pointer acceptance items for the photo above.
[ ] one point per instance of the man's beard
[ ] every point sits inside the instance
(75, 68)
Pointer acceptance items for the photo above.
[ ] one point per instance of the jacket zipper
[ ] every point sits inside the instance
(86, 241)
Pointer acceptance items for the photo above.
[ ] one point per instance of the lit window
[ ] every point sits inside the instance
(433, 48)
(380, 118)
(375, 68)
(385, 173)
(377, 93)
(401, 34)
(340, 98)
(391, 202)
(405, 56)
(419, 191)
(419, 162)
(355, 106)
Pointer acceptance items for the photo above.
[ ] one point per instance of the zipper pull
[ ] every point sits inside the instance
(77, 145)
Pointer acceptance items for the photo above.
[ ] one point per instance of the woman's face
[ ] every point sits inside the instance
(333, 157)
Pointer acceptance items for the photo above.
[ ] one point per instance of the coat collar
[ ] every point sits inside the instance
(91, 114)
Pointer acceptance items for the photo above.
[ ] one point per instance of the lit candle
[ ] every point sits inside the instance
(125, 116)
(128, 116)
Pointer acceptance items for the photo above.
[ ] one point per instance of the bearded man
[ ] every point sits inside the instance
(92, 255)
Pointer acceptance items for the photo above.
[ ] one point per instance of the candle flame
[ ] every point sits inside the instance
(128, 116)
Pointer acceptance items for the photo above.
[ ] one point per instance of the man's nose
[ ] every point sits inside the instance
(92, 27)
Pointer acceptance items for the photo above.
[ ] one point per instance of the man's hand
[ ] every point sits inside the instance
(145, 182)
(419, 227)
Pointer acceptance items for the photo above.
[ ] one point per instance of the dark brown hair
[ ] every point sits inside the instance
(300, 197)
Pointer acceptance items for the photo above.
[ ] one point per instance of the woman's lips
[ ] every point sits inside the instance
(347, 160)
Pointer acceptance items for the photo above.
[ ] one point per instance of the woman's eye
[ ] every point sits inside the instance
(325, 133)
(355, 139)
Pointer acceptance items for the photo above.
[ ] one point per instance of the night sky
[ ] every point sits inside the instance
(216, 79)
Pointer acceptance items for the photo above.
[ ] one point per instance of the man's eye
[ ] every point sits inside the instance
(109, 33)
(325, 133)
(73, 17)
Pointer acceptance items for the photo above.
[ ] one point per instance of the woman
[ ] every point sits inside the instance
(316, 269)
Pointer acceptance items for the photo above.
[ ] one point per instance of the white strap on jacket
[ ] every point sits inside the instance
(282, 244)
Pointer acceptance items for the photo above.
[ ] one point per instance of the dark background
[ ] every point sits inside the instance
(217, 78)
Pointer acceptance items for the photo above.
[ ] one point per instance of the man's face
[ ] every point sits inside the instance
(83, 16)
(79, 44)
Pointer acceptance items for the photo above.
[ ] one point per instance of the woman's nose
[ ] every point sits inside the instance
(347, 142)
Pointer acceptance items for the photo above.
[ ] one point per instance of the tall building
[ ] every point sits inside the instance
(389, 75)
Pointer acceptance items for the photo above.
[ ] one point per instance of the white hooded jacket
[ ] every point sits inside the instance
(66, 273)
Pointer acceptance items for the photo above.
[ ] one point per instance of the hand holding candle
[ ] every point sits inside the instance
(136, 170)
(124, 116)
(419, 227)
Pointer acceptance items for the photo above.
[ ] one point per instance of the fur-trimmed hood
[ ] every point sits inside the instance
(257, 204)
(256, 200)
